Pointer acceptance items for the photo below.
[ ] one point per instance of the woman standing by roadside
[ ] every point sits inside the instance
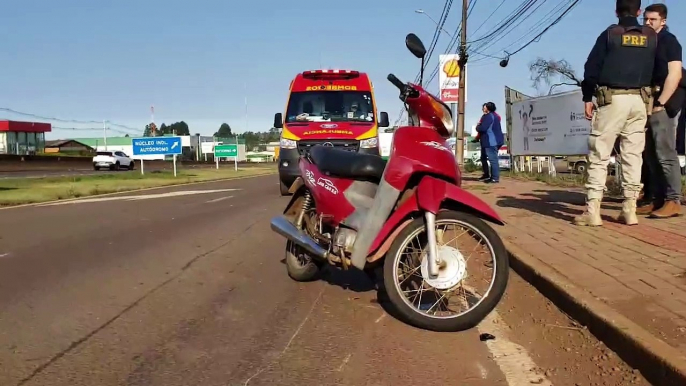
(491, 138)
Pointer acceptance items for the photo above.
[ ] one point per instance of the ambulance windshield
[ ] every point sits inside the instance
(328, 106)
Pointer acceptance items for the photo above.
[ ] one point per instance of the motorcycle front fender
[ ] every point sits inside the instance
(432, 195)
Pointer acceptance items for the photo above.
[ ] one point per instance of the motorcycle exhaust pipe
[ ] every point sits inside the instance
(285, 228)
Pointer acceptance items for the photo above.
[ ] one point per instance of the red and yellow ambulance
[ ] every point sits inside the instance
(331, 108)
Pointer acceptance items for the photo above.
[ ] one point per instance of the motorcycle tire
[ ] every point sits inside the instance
(298, 270)
(457, 323)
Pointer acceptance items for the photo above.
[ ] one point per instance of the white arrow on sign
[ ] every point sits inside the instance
(175, 145)
(141, 197)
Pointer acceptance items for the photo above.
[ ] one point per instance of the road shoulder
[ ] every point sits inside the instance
(615, 280)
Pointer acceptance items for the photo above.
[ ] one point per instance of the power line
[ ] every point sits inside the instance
(548, 27)
(88, 129)
(510, 28)
(437, 32)
(9, 110)
(549, 16)
(453, 43)
(439, 27)
(506, 22)
(480, 48)
(489, 17)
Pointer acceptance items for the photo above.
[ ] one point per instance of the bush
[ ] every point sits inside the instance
(470, 166)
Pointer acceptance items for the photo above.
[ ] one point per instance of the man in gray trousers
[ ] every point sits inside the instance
(661, 150)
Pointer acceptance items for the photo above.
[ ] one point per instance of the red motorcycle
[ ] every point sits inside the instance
(351, 209)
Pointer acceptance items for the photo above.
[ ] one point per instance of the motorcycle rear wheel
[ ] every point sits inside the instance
(414, 315)
(299, 265)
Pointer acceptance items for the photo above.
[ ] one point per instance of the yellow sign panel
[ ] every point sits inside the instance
(630, 40)
(319, 132)
(451, 68)
(331, 87)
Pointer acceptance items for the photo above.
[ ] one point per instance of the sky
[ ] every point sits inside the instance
(199, 61)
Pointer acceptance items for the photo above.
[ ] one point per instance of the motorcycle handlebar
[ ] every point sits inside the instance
(396, 82)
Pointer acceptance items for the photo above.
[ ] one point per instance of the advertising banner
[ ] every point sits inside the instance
(550, 125)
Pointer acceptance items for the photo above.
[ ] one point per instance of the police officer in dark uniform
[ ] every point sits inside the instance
(618, 72)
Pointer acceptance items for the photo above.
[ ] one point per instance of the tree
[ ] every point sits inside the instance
(553, 73)
(151, 130)
(126, 135)
(224, 131)
(179, 128)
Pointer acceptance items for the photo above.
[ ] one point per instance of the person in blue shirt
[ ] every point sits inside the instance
(491, 138)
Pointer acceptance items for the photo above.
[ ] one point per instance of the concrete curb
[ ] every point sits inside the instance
(139, 190)
(660, 363)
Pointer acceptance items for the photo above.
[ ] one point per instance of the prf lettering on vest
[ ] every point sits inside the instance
(330, 87)
(632, 40)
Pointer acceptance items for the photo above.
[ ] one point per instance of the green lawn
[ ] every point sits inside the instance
(17, 191)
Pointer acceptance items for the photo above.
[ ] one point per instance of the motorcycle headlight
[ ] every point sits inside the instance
(287, 143)
(369, 143)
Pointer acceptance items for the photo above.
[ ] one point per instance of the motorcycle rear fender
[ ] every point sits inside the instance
(432, 195)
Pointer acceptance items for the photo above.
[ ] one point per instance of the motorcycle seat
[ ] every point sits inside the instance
(346, 164)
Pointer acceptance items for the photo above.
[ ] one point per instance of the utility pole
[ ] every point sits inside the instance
(152, 121)
(104, 129)
(459, 142)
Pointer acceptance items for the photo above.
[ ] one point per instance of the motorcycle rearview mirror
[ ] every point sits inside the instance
(416, 47)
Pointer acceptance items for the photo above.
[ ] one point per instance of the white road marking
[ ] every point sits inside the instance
(297, 331)
(380, 317)
(482, 370)
(345, 362)
(4, 254)
(514, 361)
(141, 197)
(218, 199)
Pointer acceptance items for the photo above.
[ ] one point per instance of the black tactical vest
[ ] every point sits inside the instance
(630, 57)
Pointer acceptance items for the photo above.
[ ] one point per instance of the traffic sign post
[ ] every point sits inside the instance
(227, 151)
(157, 146)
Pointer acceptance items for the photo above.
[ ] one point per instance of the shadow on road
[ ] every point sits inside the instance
(558, 204)
(353, 279)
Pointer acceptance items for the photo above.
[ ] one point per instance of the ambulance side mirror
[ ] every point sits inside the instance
(278, 120)
(383, 119)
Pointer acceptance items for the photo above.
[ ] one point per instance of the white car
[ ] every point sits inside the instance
(504, 161)
(113, 160)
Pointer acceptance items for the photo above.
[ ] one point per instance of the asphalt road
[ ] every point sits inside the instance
(185, 286)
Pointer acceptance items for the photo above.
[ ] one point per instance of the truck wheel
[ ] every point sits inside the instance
(284, 189)
(580, 167)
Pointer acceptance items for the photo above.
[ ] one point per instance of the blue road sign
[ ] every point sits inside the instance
(156, 145)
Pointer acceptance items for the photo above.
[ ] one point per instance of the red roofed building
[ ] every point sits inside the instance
(23, 137)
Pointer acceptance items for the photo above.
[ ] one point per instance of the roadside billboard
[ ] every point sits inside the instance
(550, 125)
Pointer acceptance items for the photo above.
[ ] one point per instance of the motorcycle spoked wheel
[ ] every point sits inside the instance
(414, 315)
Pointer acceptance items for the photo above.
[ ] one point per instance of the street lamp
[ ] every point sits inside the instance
(421, 12)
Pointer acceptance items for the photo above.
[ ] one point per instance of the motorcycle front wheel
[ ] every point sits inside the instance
(468, 279)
